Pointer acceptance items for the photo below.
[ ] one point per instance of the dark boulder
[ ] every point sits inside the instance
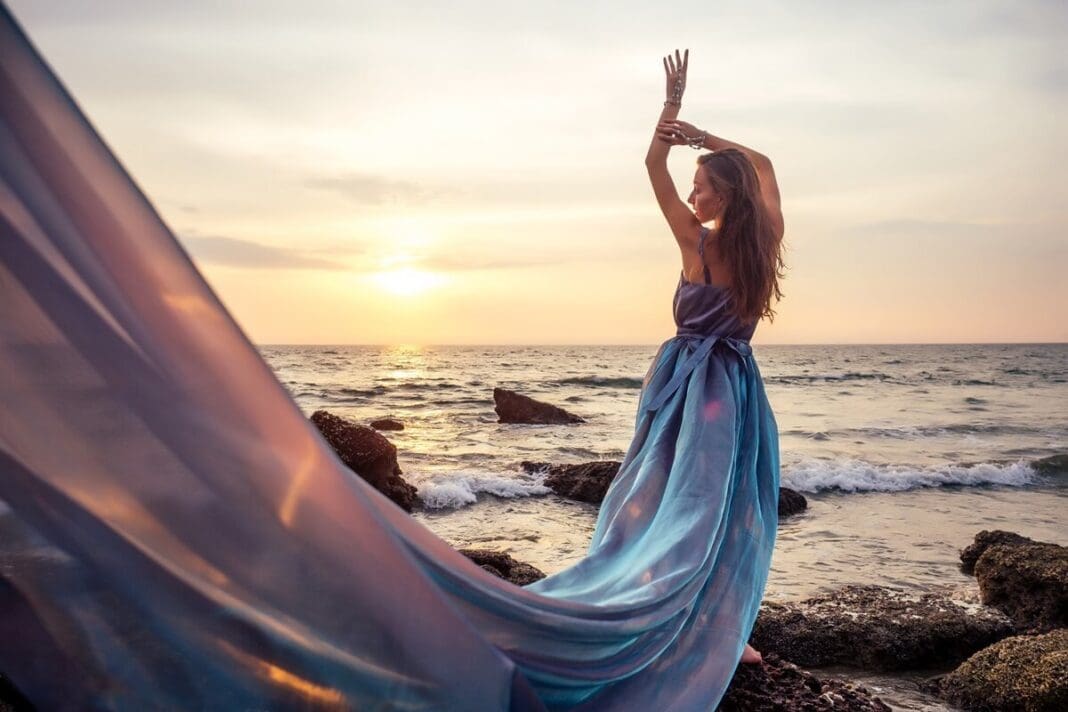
(585, 482)
(512, 407)
(504, 566)
(1052, 465)
(791, 502)
(368, 454)
(1025, 672)
(1029, 582)
(877, 628)
(387, 424)
(984, 539)
(776, 685)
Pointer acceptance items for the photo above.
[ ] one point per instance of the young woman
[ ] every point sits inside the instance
(730, 273)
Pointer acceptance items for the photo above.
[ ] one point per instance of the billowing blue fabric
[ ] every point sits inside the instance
(176, 534)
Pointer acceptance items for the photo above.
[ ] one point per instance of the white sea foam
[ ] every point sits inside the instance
(857, 476)
(453, 491)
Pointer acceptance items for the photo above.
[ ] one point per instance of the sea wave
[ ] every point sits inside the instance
(455, 491)
(859, 476)
(905, 432)
(600, 381)
(828, 377)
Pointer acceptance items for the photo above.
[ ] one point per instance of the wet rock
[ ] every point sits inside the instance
(791, 502)
(1029, 582)
(586, 482)
(512, 407)
(368, 454)
(1024, 672)
(985, 539)
(1052, 465)
(504, 566)
(776, 685)
(589, 481)
(387, 424)
(877, 628)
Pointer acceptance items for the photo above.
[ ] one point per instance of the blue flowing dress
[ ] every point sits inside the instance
(175, 533)
(692, 514)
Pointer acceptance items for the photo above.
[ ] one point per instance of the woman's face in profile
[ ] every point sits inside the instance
(704, 198)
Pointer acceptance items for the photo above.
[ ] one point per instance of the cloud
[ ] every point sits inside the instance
(368, 189)
(245, 253)
(460, 263)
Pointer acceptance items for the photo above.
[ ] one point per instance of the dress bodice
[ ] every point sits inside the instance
(705, 309)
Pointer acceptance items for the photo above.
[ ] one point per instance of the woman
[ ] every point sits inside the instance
(735, 188)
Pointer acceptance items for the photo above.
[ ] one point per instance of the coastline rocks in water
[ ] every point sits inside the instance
(791, 502)
(512, 407)
(1024, 672)
(387, 424)
(504, 566)
(588, 482)
(1052, 465)
(775, 685)
(368, 454)
(1029, 582)
(971, 553)
(877, 628)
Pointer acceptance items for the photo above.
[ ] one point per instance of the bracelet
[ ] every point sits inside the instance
(671, 102)
(697, 142)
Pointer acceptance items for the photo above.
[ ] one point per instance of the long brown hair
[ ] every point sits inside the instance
(746, 240)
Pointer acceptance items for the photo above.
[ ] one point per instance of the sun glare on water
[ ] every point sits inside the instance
(407, 281)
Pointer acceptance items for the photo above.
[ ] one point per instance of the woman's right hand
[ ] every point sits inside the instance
(675, 69)
(677, 133)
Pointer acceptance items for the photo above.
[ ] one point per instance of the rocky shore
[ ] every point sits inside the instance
(1007, 651)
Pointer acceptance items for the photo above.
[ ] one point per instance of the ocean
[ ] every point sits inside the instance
(904, 452)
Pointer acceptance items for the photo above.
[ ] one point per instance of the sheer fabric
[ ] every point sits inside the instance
(176, 533)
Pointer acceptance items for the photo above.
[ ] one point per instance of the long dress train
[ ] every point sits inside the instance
(174, 534)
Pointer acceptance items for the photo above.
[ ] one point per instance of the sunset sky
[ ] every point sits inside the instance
(457, 172)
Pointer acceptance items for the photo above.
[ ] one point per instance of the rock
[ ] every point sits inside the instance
(368, 454)
(1029, 582)
(775, 685)
(877, 628)
(589, 481)
(983, 540)
(504, 566)
(512, 407)
(1024, 672)
(586, 482)
(791, 502)
(387, 424)
(1052, 465)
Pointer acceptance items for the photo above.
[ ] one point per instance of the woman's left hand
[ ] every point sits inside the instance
(675, 71)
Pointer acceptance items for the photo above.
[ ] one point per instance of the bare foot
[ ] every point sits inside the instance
(750, 655)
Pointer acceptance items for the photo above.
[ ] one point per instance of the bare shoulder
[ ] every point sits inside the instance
(692, 262)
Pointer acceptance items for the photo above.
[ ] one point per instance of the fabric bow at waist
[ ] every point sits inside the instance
(739, 346)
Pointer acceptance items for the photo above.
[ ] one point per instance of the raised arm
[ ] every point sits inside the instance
(679, 132)
(683, 223)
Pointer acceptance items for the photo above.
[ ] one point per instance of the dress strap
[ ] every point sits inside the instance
(701, 252)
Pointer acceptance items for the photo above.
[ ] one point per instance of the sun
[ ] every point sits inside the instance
(407, 281)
